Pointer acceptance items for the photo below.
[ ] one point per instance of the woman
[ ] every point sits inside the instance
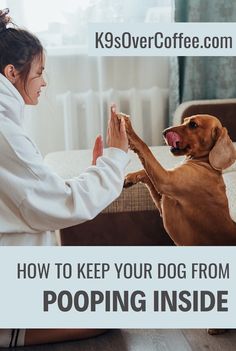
(34, 201)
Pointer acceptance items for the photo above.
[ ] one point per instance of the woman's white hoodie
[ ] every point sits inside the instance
(34, 201)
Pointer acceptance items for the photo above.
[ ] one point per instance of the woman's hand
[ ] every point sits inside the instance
(97, 149)
(116, 132)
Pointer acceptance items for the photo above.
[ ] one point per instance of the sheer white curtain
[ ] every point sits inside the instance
(62, 27)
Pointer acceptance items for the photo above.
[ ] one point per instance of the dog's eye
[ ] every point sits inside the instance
(192, 125)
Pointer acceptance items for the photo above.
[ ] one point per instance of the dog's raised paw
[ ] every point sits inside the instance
(120, 115)
(127, 119)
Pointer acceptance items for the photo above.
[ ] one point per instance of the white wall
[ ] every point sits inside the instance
(79, 73)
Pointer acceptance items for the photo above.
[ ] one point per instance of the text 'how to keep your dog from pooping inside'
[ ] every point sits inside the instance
(69, 286)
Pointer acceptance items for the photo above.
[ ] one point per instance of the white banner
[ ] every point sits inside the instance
(118, 287)
(158, 39)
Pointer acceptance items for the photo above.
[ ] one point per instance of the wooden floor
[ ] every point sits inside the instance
(147, 340)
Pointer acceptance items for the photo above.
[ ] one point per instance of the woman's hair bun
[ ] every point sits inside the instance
(4, 19)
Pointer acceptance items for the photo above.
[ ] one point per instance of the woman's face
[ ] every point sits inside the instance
(35, 82)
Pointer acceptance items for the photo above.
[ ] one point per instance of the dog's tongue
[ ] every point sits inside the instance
(172, 138)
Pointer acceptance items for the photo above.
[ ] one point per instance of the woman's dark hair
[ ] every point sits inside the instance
(18, 47)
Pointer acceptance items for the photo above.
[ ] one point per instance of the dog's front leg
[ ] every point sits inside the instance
(158, 176)
(142, 177)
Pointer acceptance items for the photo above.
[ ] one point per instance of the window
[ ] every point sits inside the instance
(63, 22)
(3, 4)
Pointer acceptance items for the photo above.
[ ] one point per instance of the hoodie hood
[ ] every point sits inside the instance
(11, 102)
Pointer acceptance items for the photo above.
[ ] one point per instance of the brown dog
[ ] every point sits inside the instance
(191, 198)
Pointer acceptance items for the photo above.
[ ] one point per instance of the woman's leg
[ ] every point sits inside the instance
(46, 336)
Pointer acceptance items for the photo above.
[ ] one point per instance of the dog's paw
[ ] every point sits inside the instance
(216, 331)
(134, 178)
(128, 125)
(128, 182)
(132, 137)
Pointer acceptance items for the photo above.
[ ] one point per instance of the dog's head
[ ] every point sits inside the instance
(200, 136)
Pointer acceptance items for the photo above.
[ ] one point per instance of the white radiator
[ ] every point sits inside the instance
(85, 114)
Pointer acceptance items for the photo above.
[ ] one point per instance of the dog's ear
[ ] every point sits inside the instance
(223, 153)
